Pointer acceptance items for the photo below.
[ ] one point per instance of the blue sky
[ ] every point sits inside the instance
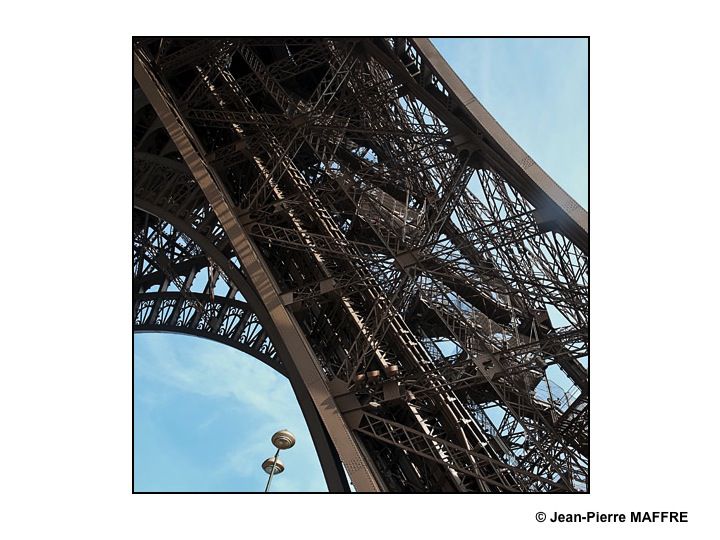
(204, 412)
(537, 89)
(204, 415)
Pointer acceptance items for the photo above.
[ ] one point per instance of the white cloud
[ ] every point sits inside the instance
(261, 395)
(217, 371)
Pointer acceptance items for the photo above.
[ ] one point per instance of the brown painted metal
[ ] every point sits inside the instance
(542, 190)
(292, 338)
(193, 245)
(414, 272)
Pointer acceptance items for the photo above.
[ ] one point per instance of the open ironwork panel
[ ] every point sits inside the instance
(434, 286)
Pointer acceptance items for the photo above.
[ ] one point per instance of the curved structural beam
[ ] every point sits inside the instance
(416, 62)
(542, 190)
(302, 362)
(224, 320)
(416, 311)
(157, 192)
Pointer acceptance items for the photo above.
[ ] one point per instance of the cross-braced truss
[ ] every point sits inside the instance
(369, 231)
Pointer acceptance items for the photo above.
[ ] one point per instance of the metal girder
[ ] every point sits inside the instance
(337, 172)
(196, 231)
(562, 210)
(303, 357)
(221, 319)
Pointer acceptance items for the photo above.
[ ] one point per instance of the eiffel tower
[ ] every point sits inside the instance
(380, 241)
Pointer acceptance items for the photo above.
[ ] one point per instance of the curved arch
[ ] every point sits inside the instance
(225, 320)
(172, 195)
(160, 205)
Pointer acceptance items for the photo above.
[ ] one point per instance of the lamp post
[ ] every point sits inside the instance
(282, 440)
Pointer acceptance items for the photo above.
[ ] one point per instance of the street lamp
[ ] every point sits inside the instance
(282, 440)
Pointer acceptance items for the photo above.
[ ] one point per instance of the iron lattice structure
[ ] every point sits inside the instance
(370, 232)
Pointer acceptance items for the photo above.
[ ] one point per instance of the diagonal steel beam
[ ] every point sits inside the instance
(566, 214)
(305, 364)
